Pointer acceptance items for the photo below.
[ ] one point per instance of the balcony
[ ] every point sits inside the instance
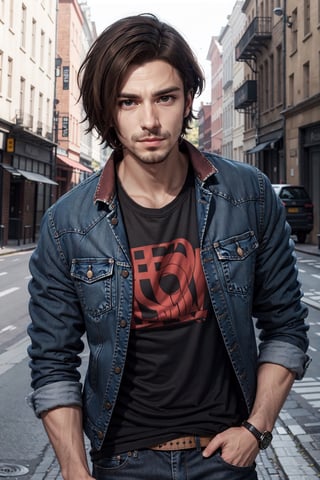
(254, 39)
(23, 119)
(246, 95)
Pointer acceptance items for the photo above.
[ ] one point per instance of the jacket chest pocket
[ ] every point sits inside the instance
(236, 257)
(93, 280)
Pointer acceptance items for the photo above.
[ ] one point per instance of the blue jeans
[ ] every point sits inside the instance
(176, 465)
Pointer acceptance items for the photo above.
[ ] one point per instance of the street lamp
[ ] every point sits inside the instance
(280, 12)
(286, 22)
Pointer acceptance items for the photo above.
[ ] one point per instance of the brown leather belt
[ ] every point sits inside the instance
(183, 443)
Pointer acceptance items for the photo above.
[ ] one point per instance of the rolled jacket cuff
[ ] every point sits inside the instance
(285, 354)
(53, 395)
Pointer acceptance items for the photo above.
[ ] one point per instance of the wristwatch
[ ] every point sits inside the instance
(264, 438)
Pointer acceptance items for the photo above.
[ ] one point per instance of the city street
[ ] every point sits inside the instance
(24, 446)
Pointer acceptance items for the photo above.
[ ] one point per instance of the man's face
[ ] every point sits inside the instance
(150, 110)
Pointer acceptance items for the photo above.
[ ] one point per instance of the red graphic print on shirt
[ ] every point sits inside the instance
(169, 285)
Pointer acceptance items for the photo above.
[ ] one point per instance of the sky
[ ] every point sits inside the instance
(197, 21)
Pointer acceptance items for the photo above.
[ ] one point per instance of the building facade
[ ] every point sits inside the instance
(232, 77)
(27, 174)
(302, 113)
(215, 57)
(72, 44)
(204, 127)
(281, 94)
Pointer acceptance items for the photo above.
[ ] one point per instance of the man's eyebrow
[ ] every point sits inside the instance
(158, 93)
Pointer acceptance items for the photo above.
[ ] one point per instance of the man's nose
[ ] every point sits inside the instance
(149, 116)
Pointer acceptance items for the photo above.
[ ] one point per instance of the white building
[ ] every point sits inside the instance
(27, 70)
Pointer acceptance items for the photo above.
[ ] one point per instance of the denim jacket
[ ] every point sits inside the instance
(82, 283)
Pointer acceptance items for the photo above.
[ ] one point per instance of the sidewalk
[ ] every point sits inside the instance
(14, 248)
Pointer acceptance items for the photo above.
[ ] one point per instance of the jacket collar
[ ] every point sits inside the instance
(105, 191)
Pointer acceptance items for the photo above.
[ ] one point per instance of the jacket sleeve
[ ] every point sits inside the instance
(56, 325)
(277, 298)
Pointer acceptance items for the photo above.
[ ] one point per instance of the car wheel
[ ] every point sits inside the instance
(301, 236)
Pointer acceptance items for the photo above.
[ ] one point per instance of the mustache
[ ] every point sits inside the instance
(149, 136)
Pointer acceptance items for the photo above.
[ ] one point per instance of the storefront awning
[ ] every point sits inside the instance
(260, 147)
(33, 177)
(73, 164)
(263, 145)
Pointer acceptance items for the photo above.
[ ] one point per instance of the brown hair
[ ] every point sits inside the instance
(130, 41)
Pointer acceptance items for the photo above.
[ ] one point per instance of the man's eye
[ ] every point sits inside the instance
(126, 103)
(166, 98)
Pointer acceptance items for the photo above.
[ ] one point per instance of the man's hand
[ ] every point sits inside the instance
(238, 447)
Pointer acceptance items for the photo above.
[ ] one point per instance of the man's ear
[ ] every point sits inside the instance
(188, 103)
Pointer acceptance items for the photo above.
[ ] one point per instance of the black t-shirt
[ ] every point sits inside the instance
(178, 378)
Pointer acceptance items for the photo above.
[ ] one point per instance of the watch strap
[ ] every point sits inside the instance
(255, 432)
(264, 438)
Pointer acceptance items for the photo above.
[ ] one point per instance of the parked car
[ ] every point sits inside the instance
(299, 209)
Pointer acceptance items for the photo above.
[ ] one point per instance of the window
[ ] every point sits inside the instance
(42, 44)
(266, 85)
(294, 31)
(23, 26)
(2, 10)
(318, 71)
(48, 115)
(1, 71)
(272, 81)
(22, 94)
(291, 89)
(11, 14)
(40, 109)
(31, 105)
(49, 57)
(9, 77)
(33, 38)
(279, 79)
(306, 17)
(306, 80)
(261, 88)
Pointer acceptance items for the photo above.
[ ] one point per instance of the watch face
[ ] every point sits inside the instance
(265, 440)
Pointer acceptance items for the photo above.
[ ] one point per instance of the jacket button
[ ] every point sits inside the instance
(240, 251)
(114, 221)
(108, 405)
(124, 273)
(117, 370)
(123, 323)
(100, 435)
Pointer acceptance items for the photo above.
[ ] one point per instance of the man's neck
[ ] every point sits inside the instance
(153, 186)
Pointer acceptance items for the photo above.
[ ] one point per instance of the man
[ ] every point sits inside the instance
(162, 260)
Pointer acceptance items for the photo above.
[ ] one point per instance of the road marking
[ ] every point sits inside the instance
(3, 273)
(14, 355)
(8, 291)
(310, 302)
(312, 349)
(306, 260)
(315, 276)
(9, 328)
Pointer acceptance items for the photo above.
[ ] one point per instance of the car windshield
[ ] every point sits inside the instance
(293, 193)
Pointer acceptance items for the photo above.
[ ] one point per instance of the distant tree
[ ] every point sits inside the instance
(193, 134)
